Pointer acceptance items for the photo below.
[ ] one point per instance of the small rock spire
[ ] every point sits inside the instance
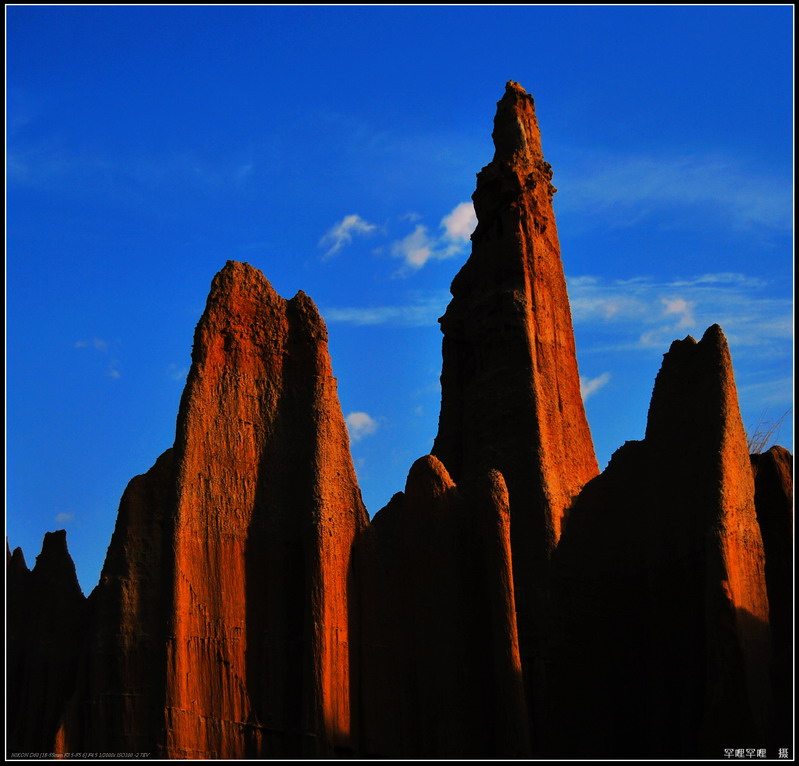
(516, 134)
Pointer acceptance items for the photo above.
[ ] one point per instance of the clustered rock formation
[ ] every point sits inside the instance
(511, 602)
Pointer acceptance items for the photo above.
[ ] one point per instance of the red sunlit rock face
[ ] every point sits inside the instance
(266, 511)
(509, 603)
(221, 619)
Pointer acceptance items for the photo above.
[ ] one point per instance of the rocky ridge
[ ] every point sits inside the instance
(510, 602)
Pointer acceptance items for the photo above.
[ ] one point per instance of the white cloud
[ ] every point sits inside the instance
(341, 234)
(460, 223)
(423, 311)
(63, 518)
(589, 386)
(682, 308)
(722, 278)
(646, 313)
(360, 424)
(418, 247)
(415, 249)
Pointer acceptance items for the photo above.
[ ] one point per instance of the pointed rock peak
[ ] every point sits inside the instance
(510, 387)
(489, 495)
(496, 482)
(714, 337)
(773, 468)
(54, 562)
(776, 454)
(311, 322)
(16, 560)
(513, 87)
(428, 478)
(54, 544)
(240, 305)
(712, 345)
(238, 279)
(694, 389)
(517, 138)
(677, 347)
(239, 271)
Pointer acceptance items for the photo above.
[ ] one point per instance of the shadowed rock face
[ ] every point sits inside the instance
(773, 472)
(46, 614)
(662, 557)
(508, 603)
(439, 657)
(118, 704)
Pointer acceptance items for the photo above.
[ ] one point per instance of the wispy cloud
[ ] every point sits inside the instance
(102, 347)
(422, 311)
(63, 518)
(421, 246)
(681, 309)
(589, 386)
(624, 190)
(360, 425)
(98, 344)
(645, 313)
(49, 164)
(416, 249)
(177, 372)
(770, 393)
(341, 233)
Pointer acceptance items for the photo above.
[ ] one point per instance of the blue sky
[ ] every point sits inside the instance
(335, 149)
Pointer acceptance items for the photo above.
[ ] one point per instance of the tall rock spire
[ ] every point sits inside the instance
(662, 557)
(266, 512)
(221, 619)
(510, 386)
(439, 653)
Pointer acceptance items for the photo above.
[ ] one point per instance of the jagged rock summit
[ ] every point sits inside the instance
(510, 388)
(662, 556)
(510, 602)
(46, 613)
(221, 618)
